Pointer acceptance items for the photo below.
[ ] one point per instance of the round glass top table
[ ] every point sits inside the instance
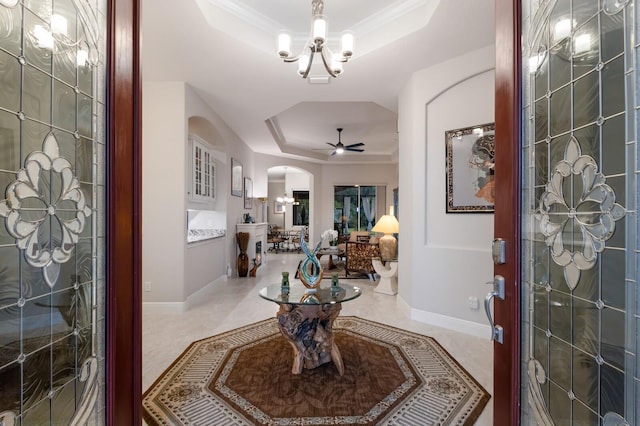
(305, 319)
(300, 295)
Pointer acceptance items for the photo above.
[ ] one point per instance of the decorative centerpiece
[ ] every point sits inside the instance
(310, 280)
(243, 258)
(331, 235)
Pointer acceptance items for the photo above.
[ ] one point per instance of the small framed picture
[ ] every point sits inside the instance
(278, 207)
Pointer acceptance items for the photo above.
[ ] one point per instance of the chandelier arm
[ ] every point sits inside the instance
(326, 63)
(306, 72)
(308, 45)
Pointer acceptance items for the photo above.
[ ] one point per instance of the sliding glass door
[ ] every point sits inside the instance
(355, 208)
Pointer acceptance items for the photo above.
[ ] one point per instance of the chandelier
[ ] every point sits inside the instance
(316, 43)
(285, 199)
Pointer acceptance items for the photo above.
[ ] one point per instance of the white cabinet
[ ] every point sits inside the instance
(257, 241)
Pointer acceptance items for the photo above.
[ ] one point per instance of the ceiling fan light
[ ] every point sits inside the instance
(284, 45)
(339, 150)
(347, 44)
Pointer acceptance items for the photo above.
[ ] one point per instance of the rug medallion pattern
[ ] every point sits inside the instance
(243, 377)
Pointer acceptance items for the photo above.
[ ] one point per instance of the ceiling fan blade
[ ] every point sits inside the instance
(353, 145)
(333, 153)
(354, 149)
(332, 144)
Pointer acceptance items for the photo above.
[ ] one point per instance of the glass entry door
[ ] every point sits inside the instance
(580, 297)
(52, 210)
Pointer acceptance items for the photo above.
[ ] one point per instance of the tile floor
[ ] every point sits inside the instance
(229, 304)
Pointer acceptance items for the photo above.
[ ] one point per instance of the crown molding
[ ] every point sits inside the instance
(392, 13)
(247, 14)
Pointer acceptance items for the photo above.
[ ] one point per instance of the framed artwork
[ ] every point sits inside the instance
(278, 207)
(248, 193)
(236, 178)
(470, 168)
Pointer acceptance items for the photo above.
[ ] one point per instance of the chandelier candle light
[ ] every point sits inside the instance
(317, 44)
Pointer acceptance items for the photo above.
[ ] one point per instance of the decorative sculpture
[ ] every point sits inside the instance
(314, 278)
(284, 285)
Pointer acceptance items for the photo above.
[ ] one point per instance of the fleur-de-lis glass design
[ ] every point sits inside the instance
(45, 209)
(580, 207)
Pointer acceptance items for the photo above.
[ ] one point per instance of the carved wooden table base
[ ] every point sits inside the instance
(309, 330)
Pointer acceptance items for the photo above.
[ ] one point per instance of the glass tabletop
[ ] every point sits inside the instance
(300, 295)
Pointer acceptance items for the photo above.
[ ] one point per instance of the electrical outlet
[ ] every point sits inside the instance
(473, 302)
(147, 286)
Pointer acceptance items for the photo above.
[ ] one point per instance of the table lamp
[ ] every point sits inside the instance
(387, 224)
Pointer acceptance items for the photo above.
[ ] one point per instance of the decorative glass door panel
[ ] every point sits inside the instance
(52, 144)
(580, 318)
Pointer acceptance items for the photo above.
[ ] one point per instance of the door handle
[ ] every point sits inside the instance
(497, 333)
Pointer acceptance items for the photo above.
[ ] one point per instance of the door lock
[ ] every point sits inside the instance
(497, 333)
(499, 251)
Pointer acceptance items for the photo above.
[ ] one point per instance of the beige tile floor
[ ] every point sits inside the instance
(233, 303)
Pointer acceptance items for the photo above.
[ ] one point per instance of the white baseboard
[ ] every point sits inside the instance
(451, 323)
(179, 307)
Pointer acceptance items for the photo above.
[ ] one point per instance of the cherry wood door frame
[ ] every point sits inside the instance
(123, 215)
(506, 376)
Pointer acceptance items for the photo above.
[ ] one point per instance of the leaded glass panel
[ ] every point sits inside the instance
(52, 54)
(582, 308)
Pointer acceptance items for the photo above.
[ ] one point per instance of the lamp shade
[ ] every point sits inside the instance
(387, 224)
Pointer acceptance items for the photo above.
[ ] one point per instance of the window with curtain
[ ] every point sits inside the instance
(355, 208)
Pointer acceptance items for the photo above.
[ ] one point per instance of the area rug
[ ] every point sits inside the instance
(243, 377)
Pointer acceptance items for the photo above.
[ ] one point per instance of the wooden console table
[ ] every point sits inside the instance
(305, 319)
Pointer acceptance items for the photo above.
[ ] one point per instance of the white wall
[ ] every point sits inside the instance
(276, 189)
(444, 258)
(176, 269)
(163, 201)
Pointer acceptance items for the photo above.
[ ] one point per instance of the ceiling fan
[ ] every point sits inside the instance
(340, 147)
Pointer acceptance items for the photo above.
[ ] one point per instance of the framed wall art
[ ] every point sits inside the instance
(470, 168)
(278, 207)
(248, 193)
(236, 178)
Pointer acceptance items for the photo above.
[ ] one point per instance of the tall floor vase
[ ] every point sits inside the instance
(243, 259)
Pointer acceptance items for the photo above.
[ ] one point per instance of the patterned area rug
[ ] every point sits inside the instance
(243, 377)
